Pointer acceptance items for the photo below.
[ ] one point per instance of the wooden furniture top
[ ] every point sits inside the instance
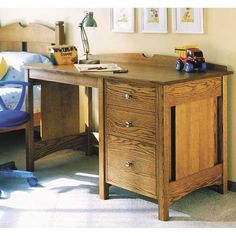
(158, 69)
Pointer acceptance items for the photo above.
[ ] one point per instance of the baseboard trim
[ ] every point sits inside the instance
(232, 186)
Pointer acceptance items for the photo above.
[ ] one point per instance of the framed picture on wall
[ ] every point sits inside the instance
(122, 20)
(154, 20)
(188, 20)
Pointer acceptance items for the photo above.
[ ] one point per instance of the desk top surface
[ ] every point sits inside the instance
(161, 70)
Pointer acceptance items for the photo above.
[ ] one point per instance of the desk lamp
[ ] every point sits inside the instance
(88, 21)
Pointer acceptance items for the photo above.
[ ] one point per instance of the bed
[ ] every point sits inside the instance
(21, 45)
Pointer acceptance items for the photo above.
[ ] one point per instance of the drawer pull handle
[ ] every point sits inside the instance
(128, 164)
(128, 124)
(128, 96)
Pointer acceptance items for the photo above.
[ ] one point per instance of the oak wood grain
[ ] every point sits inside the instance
(68, 75)
(59, 33)
(46, 147)
(139, 96)
(29, 131)
(33, 32)
(142, 126)
(151, 60)
(195, 136)
(203, 178)
(88, 92)
(36, 36)
(10, 46)
(60, 110)
(132, 181)
(144, 74)
(164, 158)
(225, 134)
(183, 102)
(138, 58)
(103, 186)
(192, 91)
(140, 156)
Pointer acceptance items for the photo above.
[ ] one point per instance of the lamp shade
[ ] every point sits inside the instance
(90, 22)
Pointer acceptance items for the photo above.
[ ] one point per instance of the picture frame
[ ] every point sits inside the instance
(154, 20)
(122, 20)
(188, 20)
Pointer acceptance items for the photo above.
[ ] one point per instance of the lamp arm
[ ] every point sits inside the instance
(84, 39)
(82, 22)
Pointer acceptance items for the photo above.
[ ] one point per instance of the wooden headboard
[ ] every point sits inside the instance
(32, 38)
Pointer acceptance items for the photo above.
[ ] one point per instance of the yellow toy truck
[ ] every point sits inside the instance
(190, 59)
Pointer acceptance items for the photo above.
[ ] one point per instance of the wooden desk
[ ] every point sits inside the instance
(162, 133)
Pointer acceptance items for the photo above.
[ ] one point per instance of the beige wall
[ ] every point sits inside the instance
(218, 43)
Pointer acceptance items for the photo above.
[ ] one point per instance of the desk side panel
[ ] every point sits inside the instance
(59, 110)
(194, 121)
(195, 136)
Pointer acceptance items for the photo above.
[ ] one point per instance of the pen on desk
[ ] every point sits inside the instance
(97, 68)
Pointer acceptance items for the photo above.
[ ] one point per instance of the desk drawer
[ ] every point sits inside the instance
(131, 181)
(131, 156)
(131, 124)
(131, 95)
(131, 165)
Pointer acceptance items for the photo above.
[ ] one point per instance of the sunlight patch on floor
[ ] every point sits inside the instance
(34, 219)
(42, 197)
(30, 200)
(1, 214)
(60, 182)
(87, 175)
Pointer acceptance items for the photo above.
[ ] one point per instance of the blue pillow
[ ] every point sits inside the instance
(16, 62)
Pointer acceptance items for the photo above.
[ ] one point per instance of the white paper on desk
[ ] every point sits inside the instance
(96, 67)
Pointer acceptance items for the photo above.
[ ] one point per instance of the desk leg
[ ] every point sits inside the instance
(103, 186)
(88, 131)
(29, 131)
(224, 135)
(163, 157)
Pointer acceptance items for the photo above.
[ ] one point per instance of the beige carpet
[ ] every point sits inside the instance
(68, 197)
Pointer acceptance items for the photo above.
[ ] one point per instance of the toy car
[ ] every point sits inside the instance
(190, 59)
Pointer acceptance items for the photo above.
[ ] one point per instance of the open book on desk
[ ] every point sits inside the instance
(97, 67)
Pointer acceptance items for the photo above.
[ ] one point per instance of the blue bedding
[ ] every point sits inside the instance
(11, 95)
(16, 62)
